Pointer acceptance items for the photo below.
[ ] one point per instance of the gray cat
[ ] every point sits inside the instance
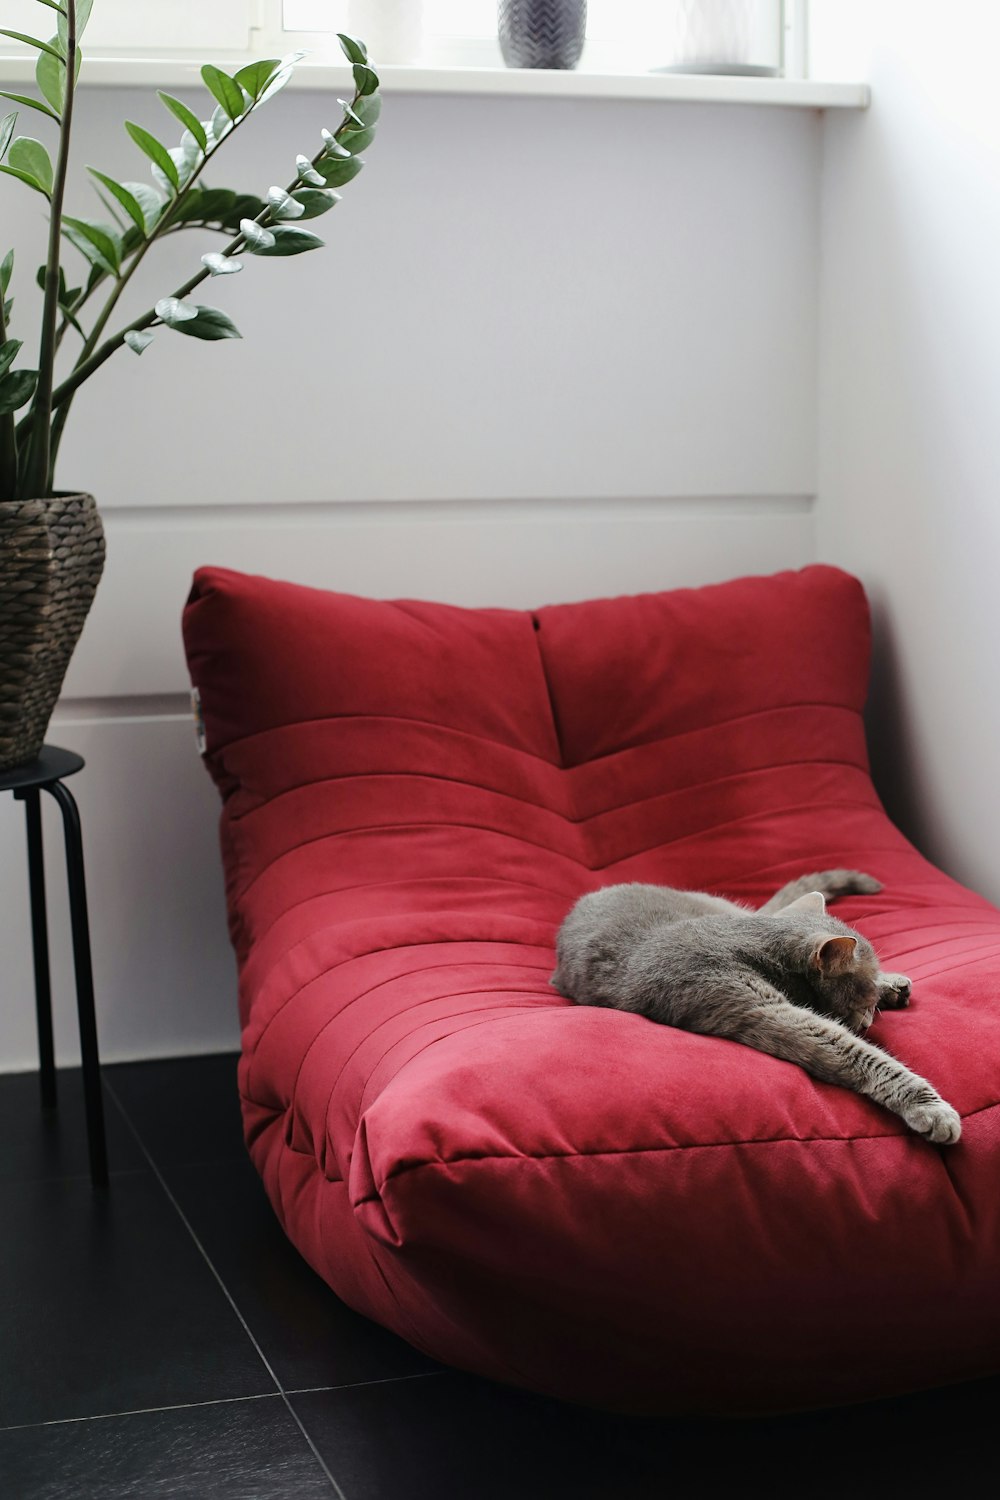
(789, 980)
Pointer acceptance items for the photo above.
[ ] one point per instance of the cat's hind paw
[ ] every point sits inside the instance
(893, 991)
(936, 1122)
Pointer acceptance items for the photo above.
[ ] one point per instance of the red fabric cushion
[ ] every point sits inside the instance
(573, 1199)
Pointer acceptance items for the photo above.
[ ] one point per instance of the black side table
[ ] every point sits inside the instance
(27, 782)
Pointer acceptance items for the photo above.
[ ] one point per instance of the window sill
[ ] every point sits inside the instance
(798, 93)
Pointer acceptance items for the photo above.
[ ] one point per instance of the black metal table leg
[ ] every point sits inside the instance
(27, 781)
(84, 982)
(40, 946)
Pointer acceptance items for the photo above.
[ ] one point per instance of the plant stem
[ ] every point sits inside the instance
(38, 470)
(162, 226)
(85, 368)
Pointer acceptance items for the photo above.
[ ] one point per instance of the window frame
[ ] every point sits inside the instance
(266, 36)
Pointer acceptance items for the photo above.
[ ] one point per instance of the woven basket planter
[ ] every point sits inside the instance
(51, 559)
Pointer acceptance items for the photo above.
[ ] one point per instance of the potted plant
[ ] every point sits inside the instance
(51, 541)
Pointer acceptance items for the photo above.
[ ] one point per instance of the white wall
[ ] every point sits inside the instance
(554, 349)
(910, 375)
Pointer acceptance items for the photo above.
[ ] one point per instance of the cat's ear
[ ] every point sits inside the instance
(814, 902)
(834, 954)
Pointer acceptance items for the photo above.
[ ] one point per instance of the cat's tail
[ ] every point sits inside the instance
(832, 883)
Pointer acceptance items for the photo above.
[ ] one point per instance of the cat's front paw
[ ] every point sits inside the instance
(893, 991)
(936, 1122)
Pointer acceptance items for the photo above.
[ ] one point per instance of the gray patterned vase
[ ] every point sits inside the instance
(542, 33)
(51, 559)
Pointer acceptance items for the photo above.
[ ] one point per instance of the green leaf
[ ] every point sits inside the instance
(315, 201)
(365, 79)
(357, 140)
(221, 265)
(171, 310)
(283, 205)
(355, 52)
(98, 242)
(66, 297)
(335, 171)
(52, 5)
(187, 117)
(30, 41)
(226, 90)
(156, 151)
(368, 109)
(350, 113)
(8, 353)
(124, 197)
(219, 126)
(50, 75)
(30, 156)
(256, 76)
(6, 131)
(16, 388)
(138, 339)
(186, 159)
(282, 76)
(200, 322)
(190, 209)
(148, 200)
(83, 9)
(6, 270)
(331, 145)
(24, 177)
(28, 103)
(216, 205)
(289, 239)
(257, 237)
(307, 173)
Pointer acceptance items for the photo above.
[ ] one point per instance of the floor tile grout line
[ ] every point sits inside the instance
(357, 1385)
(141, 1411)
(146, 1411)
(222, 1285)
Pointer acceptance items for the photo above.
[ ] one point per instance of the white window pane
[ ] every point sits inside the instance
(461, 17)
(440, 17)
(117, 25)
(607, 20)
(625, 20)
(315, 15)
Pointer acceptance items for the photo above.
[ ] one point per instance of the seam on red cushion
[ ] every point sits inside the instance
(261, 933)
(474, 1017)
(470, 734)
(907, 952)
(962, 963)
(494, 791)
(678, 734)
(392, 948)
(431, 1000)
(807, 1141)
(756, 817)
(696, 833)
(757, 713)
(779, 1140)
(919, 918)
(375, 828)
(794, 863)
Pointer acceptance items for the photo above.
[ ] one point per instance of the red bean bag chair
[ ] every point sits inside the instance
(573, 1199)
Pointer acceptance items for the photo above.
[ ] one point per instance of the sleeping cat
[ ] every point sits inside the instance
(789, 980)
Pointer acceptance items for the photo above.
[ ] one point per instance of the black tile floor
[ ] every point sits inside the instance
(163, 1339)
